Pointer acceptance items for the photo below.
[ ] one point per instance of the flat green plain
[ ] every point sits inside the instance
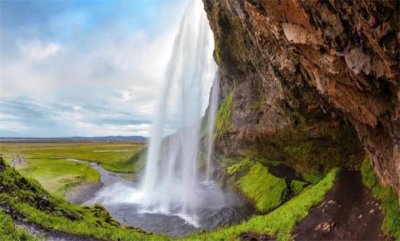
(49, 163)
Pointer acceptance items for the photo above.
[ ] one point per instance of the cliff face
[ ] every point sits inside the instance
(311, 83)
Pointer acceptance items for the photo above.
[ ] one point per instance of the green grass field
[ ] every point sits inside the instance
(48, 164)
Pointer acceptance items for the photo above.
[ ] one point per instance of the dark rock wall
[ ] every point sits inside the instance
(312, 81)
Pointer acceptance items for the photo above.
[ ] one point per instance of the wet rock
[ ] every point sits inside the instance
(324, 227)
(331, 202)
(43, 203)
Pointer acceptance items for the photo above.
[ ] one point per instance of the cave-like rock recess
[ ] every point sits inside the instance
(311, 83)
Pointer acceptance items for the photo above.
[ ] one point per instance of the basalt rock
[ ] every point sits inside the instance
(314, 82)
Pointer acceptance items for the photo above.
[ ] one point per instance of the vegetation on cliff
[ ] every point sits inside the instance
(224, 115)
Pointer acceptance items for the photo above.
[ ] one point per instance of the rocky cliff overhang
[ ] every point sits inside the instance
(315, 62)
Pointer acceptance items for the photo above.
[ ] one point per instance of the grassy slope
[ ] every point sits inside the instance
(390, 202)
(278, 223)
(37, 206)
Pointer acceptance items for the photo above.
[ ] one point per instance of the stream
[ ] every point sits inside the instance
(118, 195)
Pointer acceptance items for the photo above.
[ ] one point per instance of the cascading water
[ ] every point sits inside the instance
(171, 179)
(212, 113)
(172, 197)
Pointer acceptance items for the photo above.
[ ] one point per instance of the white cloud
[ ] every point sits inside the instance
(122, 73)
(36, 50)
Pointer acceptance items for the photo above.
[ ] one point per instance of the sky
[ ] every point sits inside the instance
(83, 67)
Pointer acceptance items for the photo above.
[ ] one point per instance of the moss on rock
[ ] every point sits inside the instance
(314, 149)
(260, 186)
(297, 186)
(224, 115)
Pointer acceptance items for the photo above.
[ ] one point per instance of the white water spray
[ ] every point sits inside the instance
(171, 179)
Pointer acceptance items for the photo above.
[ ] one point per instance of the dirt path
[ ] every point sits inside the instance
(348, 212)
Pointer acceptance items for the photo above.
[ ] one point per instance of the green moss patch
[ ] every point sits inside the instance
(297, 186)
(311, 178)
(224, 115)
(312, 148)
(390, 201)
(241, 166)
(264, 189)
(258, 105)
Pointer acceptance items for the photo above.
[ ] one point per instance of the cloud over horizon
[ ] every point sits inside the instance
(71, 68)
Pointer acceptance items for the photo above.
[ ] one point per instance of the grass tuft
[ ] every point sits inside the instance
(297, 186)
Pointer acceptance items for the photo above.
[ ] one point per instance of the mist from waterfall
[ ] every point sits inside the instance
(171, 174)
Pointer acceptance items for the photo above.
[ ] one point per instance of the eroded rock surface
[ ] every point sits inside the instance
(312, 81)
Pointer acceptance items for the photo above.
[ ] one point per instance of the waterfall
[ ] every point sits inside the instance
(212, 113)
(171, 174)
(173, 197)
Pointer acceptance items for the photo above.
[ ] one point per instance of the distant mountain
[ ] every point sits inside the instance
(74, 139)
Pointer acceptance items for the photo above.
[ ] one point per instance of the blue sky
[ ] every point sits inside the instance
(83, 67)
